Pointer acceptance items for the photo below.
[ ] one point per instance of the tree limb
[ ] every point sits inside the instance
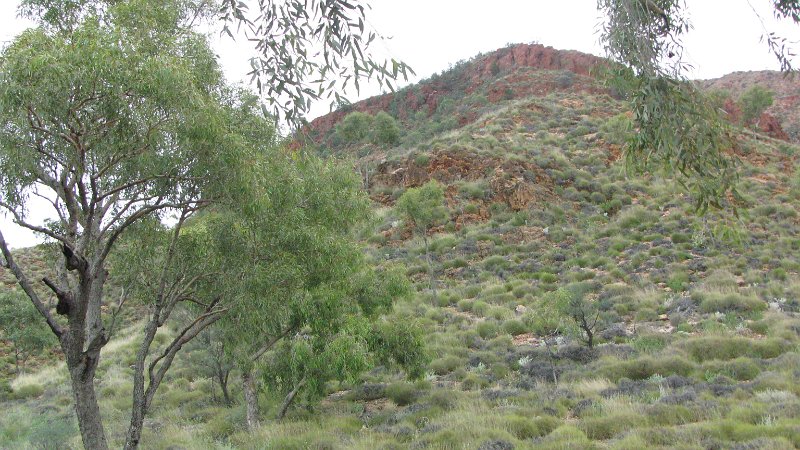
(28, 288)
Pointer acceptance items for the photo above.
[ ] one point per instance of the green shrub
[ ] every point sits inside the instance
(714, 301)
(645, 367)
(28, 391)
(678, 282)
(730, 347)
(650, 343)
(385, 130)
(445, 365)
(401, 393)
(354, 127)
(473, 381)
(444, 399)
(524, 428)
(606, 427)
(514, 327)
(487, 329)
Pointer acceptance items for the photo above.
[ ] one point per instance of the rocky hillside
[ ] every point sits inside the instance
(524, 70)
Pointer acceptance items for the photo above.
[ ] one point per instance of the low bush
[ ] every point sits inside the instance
(730, 347)
(731, 302)
(401, 393)
(445, 365)
(645, 367)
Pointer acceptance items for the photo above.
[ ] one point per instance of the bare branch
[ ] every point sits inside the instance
(19, 220)
(210, 316)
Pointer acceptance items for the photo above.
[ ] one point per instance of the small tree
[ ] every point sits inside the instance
(20, 325)
(355, 127)
(754, 101)
(208, 354)
(385, 130)
(424, 207)
(572, 303)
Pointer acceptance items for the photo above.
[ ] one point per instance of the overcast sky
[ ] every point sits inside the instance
(431, 35)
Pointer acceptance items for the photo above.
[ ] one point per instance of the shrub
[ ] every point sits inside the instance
(731, 302)
(524, 428)
(742, 369)
(487, 329)
(445, 365)
(443, 399)
(385, 130)
(730, 347)
(645, 367)
(354, 127)
(401, 393)
(606, 427)
(514, 327)
(28, 391)
(650, 343)
(473, 381)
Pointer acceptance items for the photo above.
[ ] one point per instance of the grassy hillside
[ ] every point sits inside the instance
(697, 325)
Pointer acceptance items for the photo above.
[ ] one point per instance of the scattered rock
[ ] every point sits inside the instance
(496, 445)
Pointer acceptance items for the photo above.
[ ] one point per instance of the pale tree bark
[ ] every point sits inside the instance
(250, 400)
(145, 387)
(287, 401)
(249, 387)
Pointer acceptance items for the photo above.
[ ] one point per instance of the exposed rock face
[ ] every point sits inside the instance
(784, 114)
(515, 183)
(511, 189)
(770, 125)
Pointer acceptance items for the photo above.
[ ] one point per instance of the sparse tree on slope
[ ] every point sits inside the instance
(424, 207)
(753, 102)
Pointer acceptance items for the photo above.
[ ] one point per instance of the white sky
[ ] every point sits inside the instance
(430, 35)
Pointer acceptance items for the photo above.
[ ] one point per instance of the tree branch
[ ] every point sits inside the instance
(19, 220)
(265, 348)
(28, 288)
(187, 334)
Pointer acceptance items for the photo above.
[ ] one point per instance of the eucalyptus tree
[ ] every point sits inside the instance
(424, 208)
(355, 341)
(117, 116)
(301, 277)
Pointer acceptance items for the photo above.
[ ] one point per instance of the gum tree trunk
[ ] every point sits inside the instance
(250, 400)
(86, 407)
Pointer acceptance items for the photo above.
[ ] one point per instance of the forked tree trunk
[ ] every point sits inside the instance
(250, 399)
(81, 344)
(222, 376)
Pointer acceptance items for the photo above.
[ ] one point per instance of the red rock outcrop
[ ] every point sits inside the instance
(485, 68)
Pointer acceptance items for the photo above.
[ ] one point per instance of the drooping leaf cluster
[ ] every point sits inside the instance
(309, 50)
(677, 132)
